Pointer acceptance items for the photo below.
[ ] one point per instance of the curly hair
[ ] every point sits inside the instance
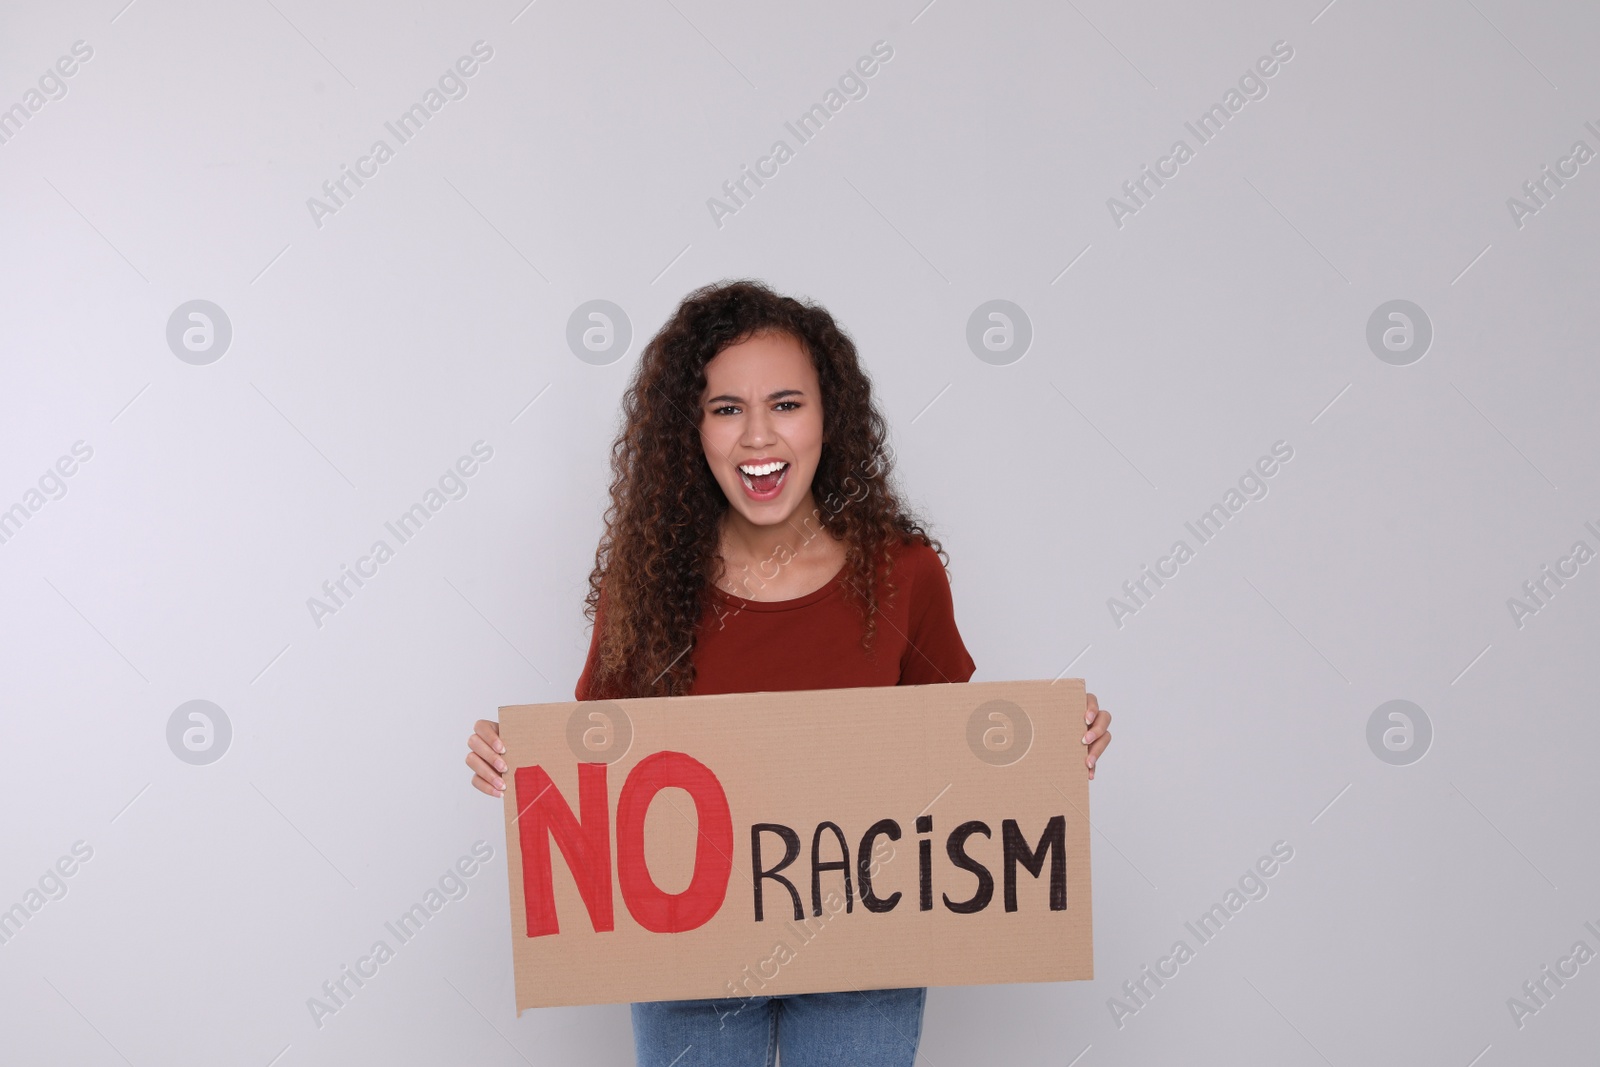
(660, 553)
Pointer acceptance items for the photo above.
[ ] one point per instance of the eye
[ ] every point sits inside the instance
(795, 403)
(725, 407)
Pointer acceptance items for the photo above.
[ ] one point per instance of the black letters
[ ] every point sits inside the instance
(817, 867)
(1015, 846)
(955, 848)
(925, 863)
(1015, 850)
(882, 828)
(791, 850)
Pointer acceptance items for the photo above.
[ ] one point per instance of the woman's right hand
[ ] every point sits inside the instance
(484, 758)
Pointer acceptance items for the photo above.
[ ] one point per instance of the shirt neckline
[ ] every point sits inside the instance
(812, 597)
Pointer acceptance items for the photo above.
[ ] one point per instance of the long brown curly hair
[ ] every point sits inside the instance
(661, 551)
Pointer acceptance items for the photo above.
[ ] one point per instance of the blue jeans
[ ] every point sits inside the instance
(861, 1028)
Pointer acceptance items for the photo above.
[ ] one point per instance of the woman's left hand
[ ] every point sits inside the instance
(1099, 735)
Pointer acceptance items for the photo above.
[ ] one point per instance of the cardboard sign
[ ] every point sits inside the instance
(761, 844)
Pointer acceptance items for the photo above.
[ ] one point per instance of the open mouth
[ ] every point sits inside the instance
(762, 480)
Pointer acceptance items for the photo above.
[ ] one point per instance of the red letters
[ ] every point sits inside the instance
(585, 843)
(669, 913)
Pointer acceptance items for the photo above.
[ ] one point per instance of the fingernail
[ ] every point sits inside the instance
(1091, 763)
(498, 747)
(498, 784)
(1088, 718)
(500, 765)
(1085, 740)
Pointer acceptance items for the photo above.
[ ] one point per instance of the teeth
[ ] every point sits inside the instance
(763, 469)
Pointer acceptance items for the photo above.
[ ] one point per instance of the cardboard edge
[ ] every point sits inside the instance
(513, 848)
(1076, 695)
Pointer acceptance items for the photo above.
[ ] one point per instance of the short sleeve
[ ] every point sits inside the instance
(934, 652)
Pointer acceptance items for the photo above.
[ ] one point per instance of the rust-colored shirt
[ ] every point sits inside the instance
(814, 641)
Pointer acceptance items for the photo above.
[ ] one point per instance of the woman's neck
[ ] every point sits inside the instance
(800, 537)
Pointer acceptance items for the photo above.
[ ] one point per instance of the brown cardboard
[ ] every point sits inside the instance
(851, 757)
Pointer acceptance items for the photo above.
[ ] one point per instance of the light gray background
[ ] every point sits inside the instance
(369, 353)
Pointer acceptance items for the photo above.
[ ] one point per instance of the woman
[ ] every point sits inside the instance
(754, 542)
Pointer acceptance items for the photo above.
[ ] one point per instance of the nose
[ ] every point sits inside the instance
(758, 430)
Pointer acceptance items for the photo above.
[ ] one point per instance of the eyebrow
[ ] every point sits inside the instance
(779, 395)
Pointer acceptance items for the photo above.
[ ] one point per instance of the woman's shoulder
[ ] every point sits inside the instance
(934, 648)
(916, 559)
(914, 549)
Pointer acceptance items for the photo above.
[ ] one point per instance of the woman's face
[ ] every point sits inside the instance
(762, 406)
